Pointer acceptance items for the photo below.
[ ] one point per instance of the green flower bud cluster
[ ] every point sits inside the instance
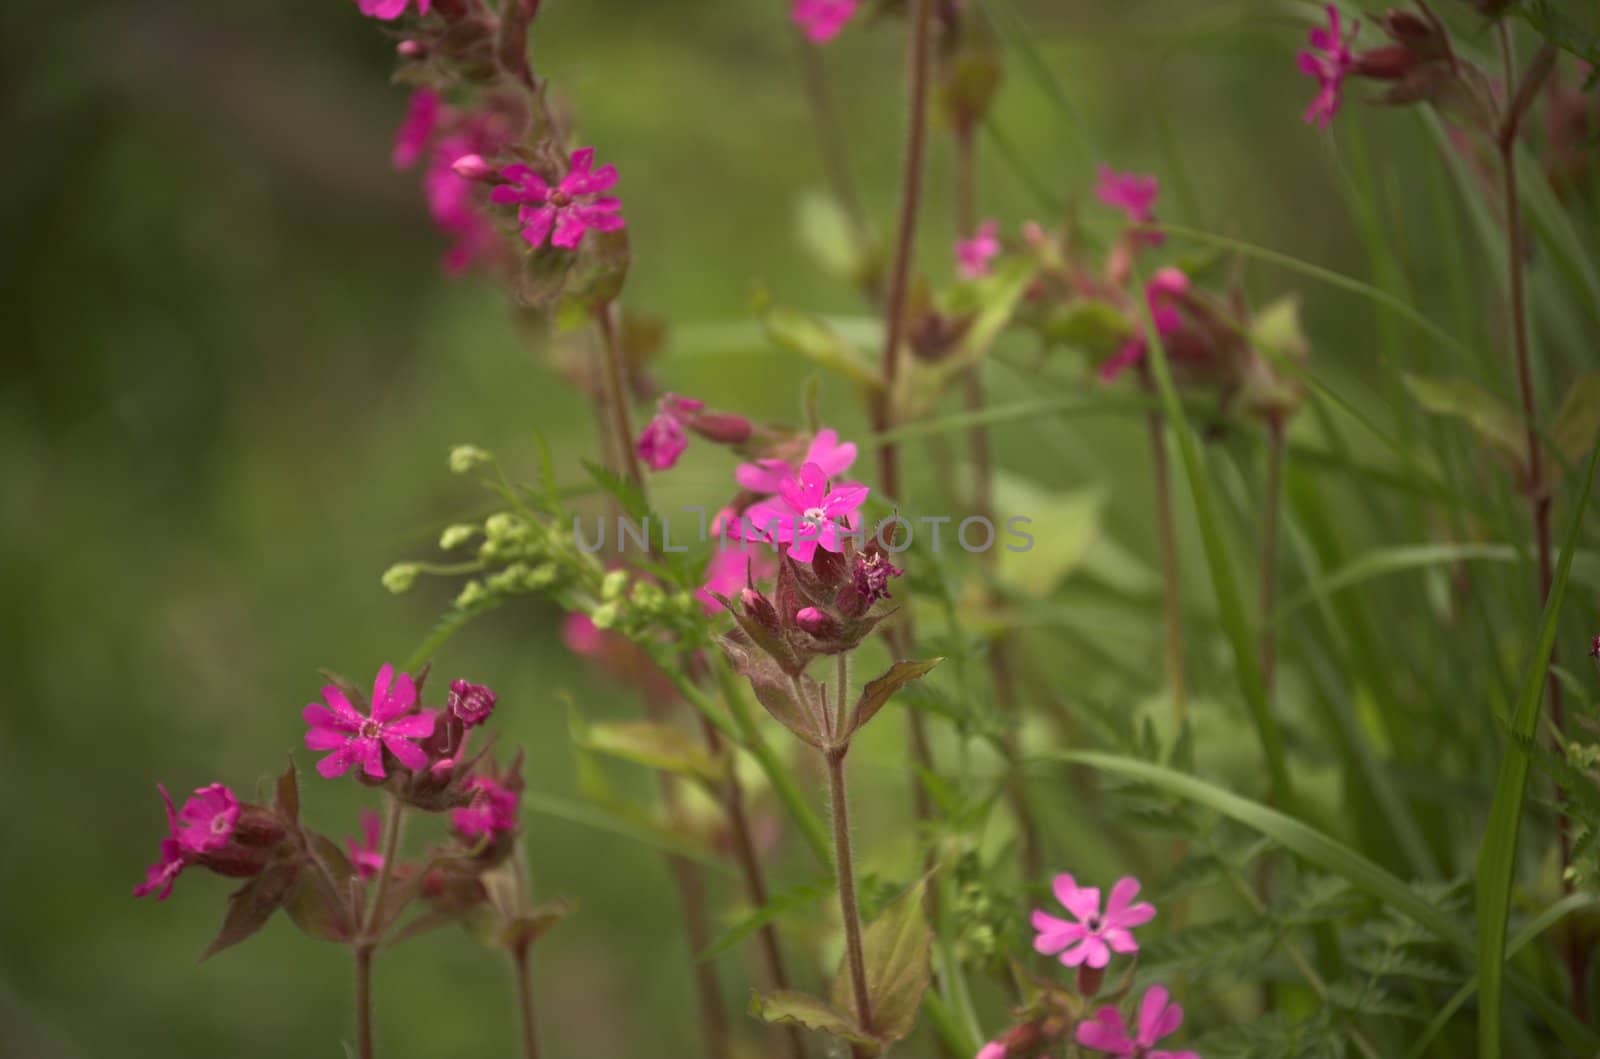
(985, 920)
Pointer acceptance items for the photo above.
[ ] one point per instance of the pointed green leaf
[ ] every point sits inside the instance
(819, 343)
(1489, 417)
(788, 1007)
(656, 746)
(898, 947)
(878, 691)
(1578, 423)
(777, 906)
(251, 905)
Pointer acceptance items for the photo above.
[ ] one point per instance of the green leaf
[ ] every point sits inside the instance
(829, 237)
(1563, 27)
(525, 929)
(630, 496)
(788, 1007)
(775, 690)
(604, 818)
(898, 947)
(777, 906)
(1064, 526)
(819, 343)
(655, 746)
(1578, 423)
(878, 691)
(251, 905)
(1486, 414)
(1088, 324)
(1497, 857)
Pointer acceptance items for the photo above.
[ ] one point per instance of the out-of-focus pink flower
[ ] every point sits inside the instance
(564, 212)
(493, 810)
(973, 255)
(992, 1050)
(1327, 61)
(662, 442)
(1132, 193)
(802, 514)
(764, 477)
(1094, 936)
(160, 876)
(206, 821)
(417, 128)
(356, 739)
(731, 568)
(365, 855)
(1167, 285)
(454, 207)
(821, 20)
(471, 703)
(1157, 1019)
(581, 636)
(389, 10)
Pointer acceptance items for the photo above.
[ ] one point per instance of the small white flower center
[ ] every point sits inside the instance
(371, 729)
(219, 824)
(815, 514)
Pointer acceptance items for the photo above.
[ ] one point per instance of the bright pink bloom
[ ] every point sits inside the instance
(1157, 1019)
(165, 871)
(764, 477)
(803, 513)
(582, 637)
(417, 128)
(493, 810)
(992, 1050)
(365, 856)
(389, 10)
(973, 255)
(471, 703)
(1329, 67)
(571, 208)
(1164, 288)
(205, 823)
(732, 568)
(1132, 193)
(354, 738)
(1093, 938)
(454, 206)
(821, 20)
(661, 442)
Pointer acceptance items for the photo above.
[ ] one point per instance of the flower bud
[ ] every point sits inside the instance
(1385, 64)
(464, 458)
(258, 826)
(473, 167)
(759, 608)
(471, 703)
(411, 49)
(400, 577)
(455, 536)
(724, 428)
(614, 584)
(816, 623)
(605, 615)
(1089, 980)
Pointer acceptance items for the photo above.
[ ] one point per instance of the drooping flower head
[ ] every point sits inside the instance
(822, 20)
(160, 876)
(1161, 293)
(804, 513)
(763, 477)
(1158, 1018)
(1327, 61)
(353, 738)
(206, 821)
(663, 440)
(974, 255)
(389, 10)
(1094, 936)
(470, 703)
(366, 856)
(562, 213)
(493, 811)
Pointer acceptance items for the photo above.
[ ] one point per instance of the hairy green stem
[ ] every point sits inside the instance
(1171, 588)
(616, 377)
(530, 1032)
(844, 873)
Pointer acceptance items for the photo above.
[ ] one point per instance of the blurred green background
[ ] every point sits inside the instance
(232, 372)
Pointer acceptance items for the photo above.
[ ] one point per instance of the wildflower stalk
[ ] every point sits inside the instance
(1271, 515)
(894, 330)
(364, 1001)
(617, 393)
(844, 869)
(367, 942)
(835, 154)
(1167, 534)
(1539, 498)
(530, 1032)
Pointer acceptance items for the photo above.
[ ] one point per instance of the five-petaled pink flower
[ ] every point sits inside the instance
(206, 821)
(365, 855)
(160, 876)
(389, 10)
(1164, 288)
(821, 20)
(803, 513)
(1327, 61)
(1094, 936)
(492, 812)
(1157, 1019)
(354, 738)
(764, 477)
(564, 212)
(973, 255)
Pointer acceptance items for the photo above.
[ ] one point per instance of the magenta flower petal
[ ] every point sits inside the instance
(338, 762)
(417, 128)
(206, 821)
(536, 225)
(412, 726)
(844, 499)
(321, 717)
(345, 713)
(325, 738)
(407, 753)
(1105, 1033)
(397, 699)
(826, 452)
(1157, 1018)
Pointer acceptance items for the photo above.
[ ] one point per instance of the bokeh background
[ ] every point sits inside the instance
(232, 370)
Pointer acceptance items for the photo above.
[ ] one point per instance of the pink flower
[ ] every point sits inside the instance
(582, 637)
(417, 128)
(1329, 67)
(1132, 193)
(764, 477)
(165, 871)
(973, 255)
(206, 821)
(365, 856)
(493, 810)
(992, 1050)
(730, 569)
(1157, 1019)
(471, 703)
(354, 738)
(571, 208)
(872, 573)
(803, 513)
(454, 207)
(821, 20)
(661, 442)
(1093, 938)
(1165, 287)
(389, 10)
